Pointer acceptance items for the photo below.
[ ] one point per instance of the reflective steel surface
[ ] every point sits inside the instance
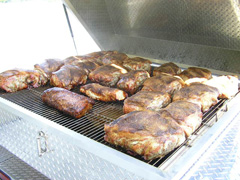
(200, 33)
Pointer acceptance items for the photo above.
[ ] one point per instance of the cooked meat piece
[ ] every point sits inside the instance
(188, 115)
(204, 95)
(88, 66)
(68, 102)
(100, 54)
(95, 60)
(73, 60)
(107, 75)
(68, 76)
(137, 63)
(70, 60)
(195, 72)
(196, 80)
(15, 80)
(227, 85)
(131, 81)
(45, 69)
(114, 58)
(103, 93)
(169, 68)
(163, 83)
(146, 133)
(146, 100)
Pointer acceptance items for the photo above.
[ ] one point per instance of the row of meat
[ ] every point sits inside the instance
(160, 111)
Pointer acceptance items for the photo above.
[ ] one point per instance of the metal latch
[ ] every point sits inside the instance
(42, 143)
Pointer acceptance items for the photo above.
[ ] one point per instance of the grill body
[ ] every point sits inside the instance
(62, 147)
(189, 33)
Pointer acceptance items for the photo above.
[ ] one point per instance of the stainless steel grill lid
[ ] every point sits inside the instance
(198, 33)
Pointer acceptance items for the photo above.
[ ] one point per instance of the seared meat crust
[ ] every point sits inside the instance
(147, 133)
(188, 115)
(15, 80)
(102, 93)
(146, 100)
(68, 102)
(137, 63)
(131, 81)
(163, 83)
(107, 75)
(68, 76)
(204, 95)
(45, 69)
(195, 72)
(114, 58)
(169, 68)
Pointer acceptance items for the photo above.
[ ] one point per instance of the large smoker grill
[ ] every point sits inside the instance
(195, 33)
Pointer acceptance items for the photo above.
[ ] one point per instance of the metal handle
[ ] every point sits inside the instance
(42, 142)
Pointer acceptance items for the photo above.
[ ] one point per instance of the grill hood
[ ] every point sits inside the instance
(197, 33)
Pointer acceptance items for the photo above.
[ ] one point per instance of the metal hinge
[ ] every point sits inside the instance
(42, 143)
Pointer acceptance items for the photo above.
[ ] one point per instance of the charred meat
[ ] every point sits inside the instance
(195, 72)
(188, 115)
(114, 58)
(15, 80)
(68, 102)
(147, 133)
(163, 83)
(204, 95)
(107, 75)
(103, 93)
(146, 100)
(68, 76)
(168, 68)
(137, 63)
(131, 81)
(45, 69)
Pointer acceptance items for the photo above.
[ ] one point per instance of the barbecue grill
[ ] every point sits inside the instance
(189, 33)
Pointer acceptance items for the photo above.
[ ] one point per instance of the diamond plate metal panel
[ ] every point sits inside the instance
(223, 161)
(4, 154)
(63, 161)
(214, 23)
(19, 170)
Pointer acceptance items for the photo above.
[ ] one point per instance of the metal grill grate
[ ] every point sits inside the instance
(91, 125)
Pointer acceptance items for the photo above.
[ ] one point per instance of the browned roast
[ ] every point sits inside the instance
(195, 72)
(15, 80)
(146, 100)
(147, 133)
(188, 115)
(88, 66)
(163, 83)
(107, 75)
(101, 54)
(68, 102)
(169, 68)
(68, 76)
(131, 81)
(137, 63)
(226, 85)
(204, 95)
(70, 60)
(103, 93)
(73, 60)
(45, 69)
(116, 58)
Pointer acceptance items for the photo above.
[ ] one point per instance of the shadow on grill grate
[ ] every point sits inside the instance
(91, 125)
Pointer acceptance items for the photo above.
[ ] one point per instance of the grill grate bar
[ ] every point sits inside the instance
(92, 124)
